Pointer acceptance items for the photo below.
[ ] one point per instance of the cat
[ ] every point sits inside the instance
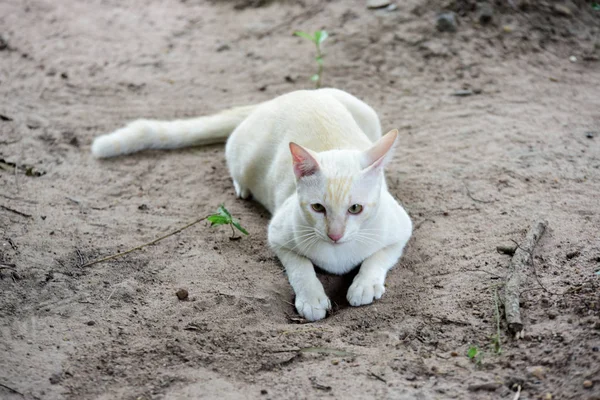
(315, 160)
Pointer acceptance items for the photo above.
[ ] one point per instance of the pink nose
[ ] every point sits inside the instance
(335, 236)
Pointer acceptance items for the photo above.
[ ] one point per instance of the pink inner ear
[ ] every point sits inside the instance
(375, 156)
(304, 163)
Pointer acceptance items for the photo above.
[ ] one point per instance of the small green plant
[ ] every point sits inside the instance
(596, 6)
(475, 354)
(317, 38)
(224, 217)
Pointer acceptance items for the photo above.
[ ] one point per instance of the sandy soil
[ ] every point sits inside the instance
(474, 172)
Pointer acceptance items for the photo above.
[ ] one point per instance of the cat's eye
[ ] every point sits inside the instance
(355, 209)
(320, 208)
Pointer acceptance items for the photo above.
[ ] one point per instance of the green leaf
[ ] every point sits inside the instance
(224, 212)
(239, 227)
(305, 36)
(472, 352)
(217, 219)
(314, 78)
(320, 36)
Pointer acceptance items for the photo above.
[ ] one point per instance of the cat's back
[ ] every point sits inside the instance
(318, 120)
(258, 153)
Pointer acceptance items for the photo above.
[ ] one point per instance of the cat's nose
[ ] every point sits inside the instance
(335, 236)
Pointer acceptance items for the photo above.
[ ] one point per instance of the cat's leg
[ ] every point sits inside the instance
(368, 284)
(311, 301)
(240, 192)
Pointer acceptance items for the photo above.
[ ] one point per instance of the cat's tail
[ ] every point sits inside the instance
(153, 134)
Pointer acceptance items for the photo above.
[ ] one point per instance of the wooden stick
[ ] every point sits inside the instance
(144, 245)
(517, 275)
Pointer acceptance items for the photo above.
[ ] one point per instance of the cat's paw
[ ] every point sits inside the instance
(364, 291)
(313, 306)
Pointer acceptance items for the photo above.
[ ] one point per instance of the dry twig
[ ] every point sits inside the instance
(517, 275)
(111, 257)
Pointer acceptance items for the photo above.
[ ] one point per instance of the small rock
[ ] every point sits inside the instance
(548, 396)
(590, 135)
(223, 47)
(55, 378)
(573, 254)
(90, 323)
(373, 4)
(142, 207)
(264, 392)
(182, 294)
(563, 10)
(4, 44)
(573, 59)
(537, 371)
(485, 12)
(463, 93)
(588, 384)
(454, 354)
(485, 387)
(411, 378)
(506, 249)
(446, 22)
(552, 315)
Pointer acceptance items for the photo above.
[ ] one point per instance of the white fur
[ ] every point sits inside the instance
(338, 161)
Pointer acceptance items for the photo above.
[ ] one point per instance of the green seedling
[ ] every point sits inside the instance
(224, 217)
(317, 38)
(475, 354)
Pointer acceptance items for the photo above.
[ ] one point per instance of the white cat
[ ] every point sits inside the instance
(315, 160)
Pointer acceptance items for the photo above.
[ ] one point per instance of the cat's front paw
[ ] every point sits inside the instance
(364, 291)
(313, 306)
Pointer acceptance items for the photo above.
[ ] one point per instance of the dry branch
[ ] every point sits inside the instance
(522, 258)
(111, 257)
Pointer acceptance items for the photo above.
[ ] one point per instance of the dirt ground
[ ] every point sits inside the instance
(473, 172)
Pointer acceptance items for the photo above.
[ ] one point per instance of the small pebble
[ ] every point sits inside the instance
(463, 93)
(563, 10)
(446, 22)
(590, 135)
(485, 12)
(372, 4)
(182, 294)
(536, 371)
(588, 384)
(55, 378)
(264, 392)
(91, 323)
(573, 254)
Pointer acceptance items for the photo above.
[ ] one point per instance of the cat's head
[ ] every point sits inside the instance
(338, 190)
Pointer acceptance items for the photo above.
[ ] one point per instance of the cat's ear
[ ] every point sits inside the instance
(304, 162)
(376, 156)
